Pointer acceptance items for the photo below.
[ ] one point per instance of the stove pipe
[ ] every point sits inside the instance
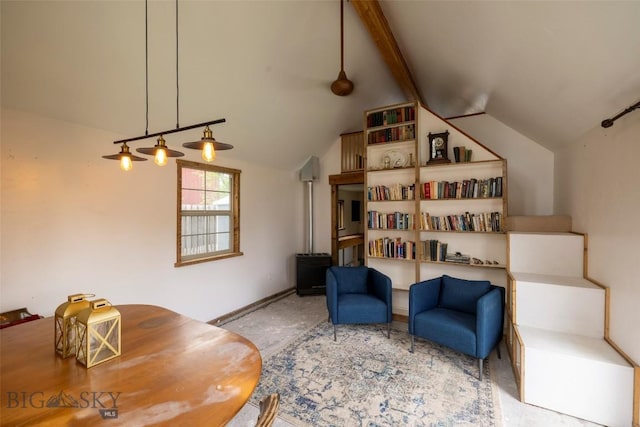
(310, 172)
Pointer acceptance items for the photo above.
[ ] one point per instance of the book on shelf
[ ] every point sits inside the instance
(466, 189)
(433, 250)
(391, 192)
(392, 247)
(398, 133)
(484, 222)
(394, 221)
(391, 116)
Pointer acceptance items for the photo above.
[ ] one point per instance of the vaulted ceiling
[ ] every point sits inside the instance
(551, 70)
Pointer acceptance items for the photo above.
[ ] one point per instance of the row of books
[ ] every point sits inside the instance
(391, 192)
(389, 117)
(390, 221)
(400, 133)
(462, 154)
(434, 250)
(466, 189)
(431, 250)
(485, 221)
(388, 247)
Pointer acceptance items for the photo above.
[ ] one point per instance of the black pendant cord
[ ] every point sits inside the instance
(146, 66)
(177, 80)
(341, 35)
(177, 128)
(607, 123)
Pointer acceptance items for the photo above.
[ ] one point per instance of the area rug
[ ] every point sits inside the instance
(365, 379)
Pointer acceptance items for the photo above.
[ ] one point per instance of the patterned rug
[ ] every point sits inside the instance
(365, 379)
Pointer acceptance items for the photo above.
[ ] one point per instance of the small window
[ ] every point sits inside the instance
(208, 213)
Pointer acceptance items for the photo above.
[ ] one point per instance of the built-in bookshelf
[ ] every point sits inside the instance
(427, 218)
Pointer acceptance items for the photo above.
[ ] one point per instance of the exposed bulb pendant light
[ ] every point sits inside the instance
(342, 86)
(125, 157)
(208, 145)
(160, 151)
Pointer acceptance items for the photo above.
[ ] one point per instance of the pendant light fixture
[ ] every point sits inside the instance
(125, 157)
(342, 86)
(160, 151)
(208, 145)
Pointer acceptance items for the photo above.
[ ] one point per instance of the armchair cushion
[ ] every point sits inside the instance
(453, 329)
(361, 308)
(353, 280)
(462, 295)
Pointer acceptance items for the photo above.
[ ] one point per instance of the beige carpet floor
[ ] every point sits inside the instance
(275, 325)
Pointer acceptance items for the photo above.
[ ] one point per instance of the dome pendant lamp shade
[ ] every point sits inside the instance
(342, 86)
(160, 151)
(208, 145)
(125, 157)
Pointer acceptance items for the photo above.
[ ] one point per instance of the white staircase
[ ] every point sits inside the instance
(556, 329)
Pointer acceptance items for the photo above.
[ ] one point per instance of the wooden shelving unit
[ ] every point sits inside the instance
(396, 153)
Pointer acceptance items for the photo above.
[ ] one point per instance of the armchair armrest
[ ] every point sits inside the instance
(489, 321)
(379, 285)
(423, 296)
(332, 295)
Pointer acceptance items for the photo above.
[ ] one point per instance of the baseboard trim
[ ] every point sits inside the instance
(218, 321)
(400, 317)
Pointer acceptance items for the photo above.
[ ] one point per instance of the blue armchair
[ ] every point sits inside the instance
(465, 315)
(358, 295)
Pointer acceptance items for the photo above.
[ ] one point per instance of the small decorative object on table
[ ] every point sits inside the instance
(99, 333)
(438, 148)
(65, 324)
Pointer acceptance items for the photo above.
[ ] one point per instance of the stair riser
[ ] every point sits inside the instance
(547, 254)
(587, 389)
(561, 308)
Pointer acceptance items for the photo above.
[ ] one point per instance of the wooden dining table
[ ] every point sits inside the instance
(173, 370)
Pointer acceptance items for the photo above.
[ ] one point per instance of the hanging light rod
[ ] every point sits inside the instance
(607, 123)
(167, 132)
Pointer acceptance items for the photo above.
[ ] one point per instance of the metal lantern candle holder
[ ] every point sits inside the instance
(65, 324)
(99, 333)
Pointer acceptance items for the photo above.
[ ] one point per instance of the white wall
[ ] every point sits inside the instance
(73, 222)
(529, 165)
(597, 181)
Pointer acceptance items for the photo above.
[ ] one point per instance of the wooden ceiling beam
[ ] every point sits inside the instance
(374, 20)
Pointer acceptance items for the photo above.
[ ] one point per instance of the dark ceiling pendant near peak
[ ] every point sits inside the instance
(342, 86)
